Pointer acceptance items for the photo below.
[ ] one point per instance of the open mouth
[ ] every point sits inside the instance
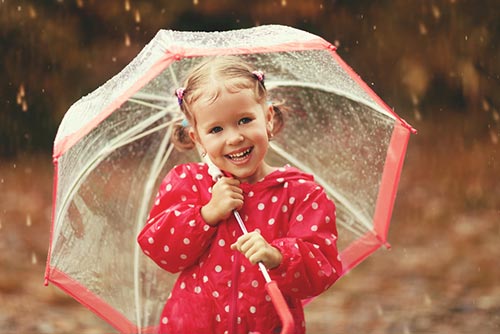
(240, 155)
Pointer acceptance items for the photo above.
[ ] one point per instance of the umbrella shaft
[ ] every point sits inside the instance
(262, 267)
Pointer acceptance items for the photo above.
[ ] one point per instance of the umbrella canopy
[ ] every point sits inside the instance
(113, 148)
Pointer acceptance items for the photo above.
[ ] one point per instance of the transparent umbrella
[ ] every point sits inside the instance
(113, 148)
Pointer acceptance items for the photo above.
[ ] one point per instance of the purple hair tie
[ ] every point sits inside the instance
(259, 75)
(179, 92)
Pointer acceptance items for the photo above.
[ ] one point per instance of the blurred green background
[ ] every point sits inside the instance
(436, 62)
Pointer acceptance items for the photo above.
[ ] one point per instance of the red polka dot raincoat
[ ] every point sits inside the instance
(219, 290)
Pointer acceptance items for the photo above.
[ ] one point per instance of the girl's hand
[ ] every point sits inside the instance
(226, 197)
(257, 249)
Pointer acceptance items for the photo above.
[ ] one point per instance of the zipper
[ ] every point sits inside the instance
(233, 302)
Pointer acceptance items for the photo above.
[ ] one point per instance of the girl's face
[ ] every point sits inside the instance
(233, 131)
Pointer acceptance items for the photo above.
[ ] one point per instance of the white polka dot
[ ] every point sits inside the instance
(280, 180)
(197, 289)
(183, 286)
(206, 228)
(195, 189)
(164, 320)
(328, 242)
(168, 187)
(285, 185)
(300, 218)
(255, 283)
(314, 206)
(172, 230)
(302, 181)
(226, 308)
(192, 223)
(199, 177)
(186, 241)
(242, 269)
(240, 294)
(314, 228)
(250, 194)
(217, 318)
(177, 213)
(205, 279)
(291, 200)
(215, 294)
(163, 262)
(151, 240)
(147, 252)
(166, 248)
(218, 268)
(222, 242)
(327, 219)
(268, 298)
(253, 309)
(182, 176)
(183, 198)
(157, 201)
(271, 221)
(274, 199)
(261, 206)
(284, 208)
(183, 256)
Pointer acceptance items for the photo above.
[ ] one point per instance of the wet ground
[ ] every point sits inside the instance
(441, 275)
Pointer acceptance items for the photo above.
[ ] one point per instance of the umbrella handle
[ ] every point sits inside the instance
(272, 288)
(281, 307)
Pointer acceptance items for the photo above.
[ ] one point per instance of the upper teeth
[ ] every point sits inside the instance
(240, 154)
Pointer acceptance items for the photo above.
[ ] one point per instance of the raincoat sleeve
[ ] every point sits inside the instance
(311, 262)
(176, 235)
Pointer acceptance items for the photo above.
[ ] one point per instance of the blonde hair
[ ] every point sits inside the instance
(208, 80)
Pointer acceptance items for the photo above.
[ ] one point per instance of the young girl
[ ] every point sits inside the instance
(191, 228)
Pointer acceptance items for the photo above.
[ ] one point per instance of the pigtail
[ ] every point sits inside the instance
(180, 137)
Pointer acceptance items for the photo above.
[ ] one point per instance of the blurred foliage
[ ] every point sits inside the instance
(421, 56)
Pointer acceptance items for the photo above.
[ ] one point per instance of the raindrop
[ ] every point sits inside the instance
(32, 12)
(34, 260)
(127, 40)
(137, 16)
(28, 220)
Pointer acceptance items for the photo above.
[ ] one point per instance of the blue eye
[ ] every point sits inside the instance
(216, 129)
(245, 120)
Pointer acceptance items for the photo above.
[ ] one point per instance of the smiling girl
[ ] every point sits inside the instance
(190, 228)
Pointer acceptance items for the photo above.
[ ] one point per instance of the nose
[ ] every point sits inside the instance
(234, 137)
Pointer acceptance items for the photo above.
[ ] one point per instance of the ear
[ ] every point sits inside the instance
(270, 119)
(196, 139)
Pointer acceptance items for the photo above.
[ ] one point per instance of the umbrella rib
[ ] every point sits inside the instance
(148, 188)
(289, 83)
(100, 156)
(361, 218)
